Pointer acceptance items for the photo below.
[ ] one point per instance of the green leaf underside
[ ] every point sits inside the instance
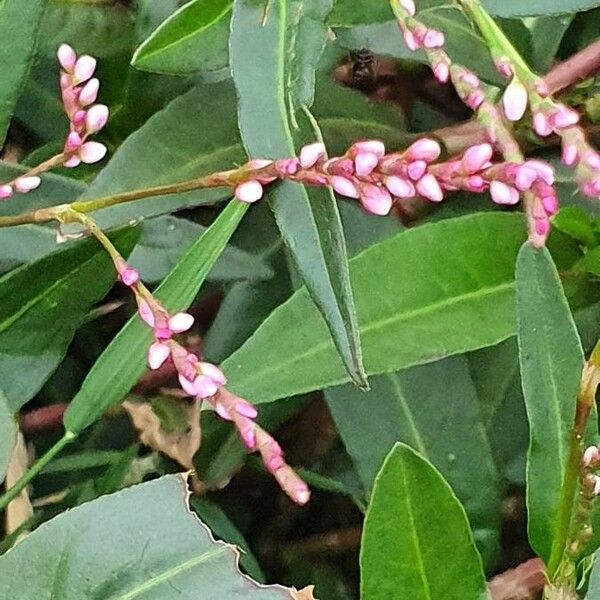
(551, 360)
(41, 306)
(159, 549)
(194, 38)
(19, 23)
(434, 409)
(124, 360)
(442, 289)
(272, 124)
(414, 519)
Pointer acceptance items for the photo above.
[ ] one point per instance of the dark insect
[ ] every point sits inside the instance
(363, 69)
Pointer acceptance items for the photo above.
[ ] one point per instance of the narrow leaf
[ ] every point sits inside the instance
(452, 290)
(432, 408)
(41, 306)
(551, 361)
(308, 218)
(124, 360)
(19, 23)
(158, 549)
(8, 435)
(194, 38)
(413, 521)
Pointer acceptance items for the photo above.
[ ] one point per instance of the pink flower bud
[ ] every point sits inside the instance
(476, 157)
(470, 79)
(92, 152)
(6, 191)
(543, 169)
(146, 313)
(429, 188)
(525, 177)
(129, 276)
(96, 118)
(475, 99)
(541, 125)
(180, 322)
(78, 119)
(592, 159)
(441, 71)
(590, 455)
(515, 100)
(66, 57)
(344, 186)
(433, 39)
(569, 154)
(364, 163)
(375, 147)
(201, 387)
(408, 6)
(83, 69)
(311, 153)
(504, 67)
(476, 183)
(158, 354)
(73, 142)
(410, 40)
(542, 227)
(287, 166)
(301, 495)
(246, 409)
(550, 204)
(26, 184)
(89, 92)
(249, 191)
(213, 372)
(416, 169)
(73, 161)
(564, 117)
(402, 188)
(424, 149)
(375, 200)
(222, 411)
(503, 194)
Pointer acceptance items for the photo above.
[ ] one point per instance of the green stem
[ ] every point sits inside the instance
(35, 468)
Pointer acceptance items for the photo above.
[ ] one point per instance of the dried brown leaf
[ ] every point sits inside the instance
(181, 440)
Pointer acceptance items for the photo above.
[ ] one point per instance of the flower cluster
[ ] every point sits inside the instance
(79, 91)
(378, 179)
(205, 381)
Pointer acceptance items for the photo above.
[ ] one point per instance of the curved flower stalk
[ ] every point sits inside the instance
(79, 91)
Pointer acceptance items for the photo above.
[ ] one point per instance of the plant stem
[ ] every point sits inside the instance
(35, 468)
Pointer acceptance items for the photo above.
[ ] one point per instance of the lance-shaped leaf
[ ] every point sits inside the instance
(41, 306)
(124, 360)
(288, 37)
(424, 294)
(413, 521)
(158, 549)
(194, 38)
(19, 23)
(551, 361)
(8, 434)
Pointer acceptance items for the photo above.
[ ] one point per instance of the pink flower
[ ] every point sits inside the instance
(376, 200)
(429, 188)
(433, 39)
(83, 69)
(416, 169)
(408, 6)
(218, 377)
(563, 117)
(201, 387)
(410, 40)
(6, 191)
(365, 162)
(590, 456)
(26, 184)
(504, 67)
(92, 152)
(310, 154)
(375, 147)
(441, 71)
(515, 100)
(344, 186)
(475, 99)
(180, 322)
(158, 354)
(96, 118)
(543, 169)
(129, 276)
(569, 154)
(66, 57)
(89, 92)
(402, 188)
(249, 191)
(503, 194)
(424, 149)
(476, 157)
(541, 125)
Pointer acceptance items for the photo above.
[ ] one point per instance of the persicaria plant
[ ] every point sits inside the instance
(365, 233)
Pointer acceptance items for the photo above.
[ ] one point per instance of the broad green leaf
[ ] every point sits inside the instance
(452, 290)
(551, 361)
(413, 522)
(8, 432)
(158, 549)
(593, 592)
(163, 151)
(41, 306)
(546, 34)
(307, 217)
(575, 222)
(194, 38)
(214, 517)
(433, 409)
(535, 8)
(124, 360)
(19, 25)
(165, 240)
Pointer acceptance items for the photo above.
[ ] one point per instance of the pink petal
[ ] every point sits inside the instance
(249, 191)
(246, 409)
(525, 177)
(26, 184)
(564, 117)
(129, 276)
(410, 40)
(476, 157)
(205, 387)
(6, 191)
(89, 92)
(96, 118)
(92, 152)
(344, 186)
(433, 39)
(66, 57)
(158, 354)
(503, 194)
(416, 169)
(408, 6)
(424, 149)
(146, 313)
(541, 125)
(72, 162)
(180, 322)
(311, 153)
(375, 147)
(213, 372)
(83, 69)
(376, 200)
(543, 169)
(402, 188)
(429, 187)
(365, 162)
(441, 71)
(515, 100)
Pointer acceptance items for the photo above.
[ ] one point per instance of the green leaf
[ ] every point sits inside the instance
(413, 521)
(165, 240)
(551, 361)
(593, 592)
(41, 306)
(575, 222)
(452, 290)
(194, 38)
(433, 409)
(307, 217)
(534, 8)
(163, 152)
(546, 34)
(158, 548)
(124, 360)
(8, 432)
(19, 24)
